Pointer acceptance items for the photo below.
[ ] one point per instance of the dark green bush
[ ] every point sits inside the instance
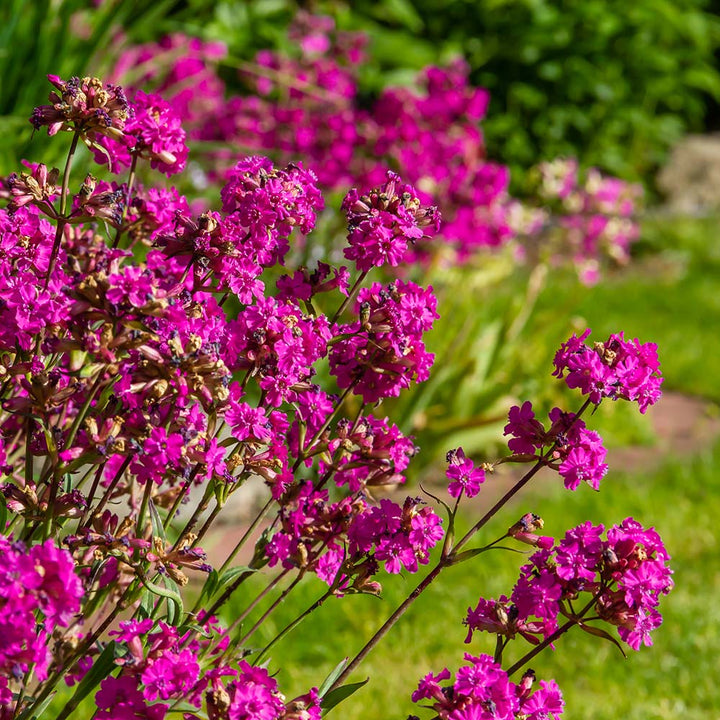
(614, 82)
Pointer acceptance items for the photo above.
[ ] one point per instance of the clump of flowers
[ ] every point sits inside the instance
(307, 105)
(154, 131)
(616, 369)
(383, 223)
(574, 451)
(151, 358)
(385, 351)
(482, 690)
(620, 579)
(85, 105)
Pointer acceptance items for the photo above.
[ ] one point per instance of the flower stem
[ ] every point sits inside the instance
(289, 626)
(304, 452)
(519, 485)
(128, 193)
(62, 220)
(574, 620)
(380, 634)
(238, 620)
(258, 519)
(350, 297)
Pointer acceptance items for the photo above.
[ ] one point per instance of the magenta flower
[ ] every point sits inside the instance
(622, 578)
(153, 131)
(383, 223)
(463, 475)
(386, 352)
(120, 699)
(615, 369)
(86, 105)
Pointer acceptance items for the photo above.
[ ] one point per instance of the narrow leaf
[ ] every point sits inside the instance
(599, 632)
(100, 669)
(3, 513)
(231, 574)
(42, 707)
(332, 677)
(336, 696)
(157, 526)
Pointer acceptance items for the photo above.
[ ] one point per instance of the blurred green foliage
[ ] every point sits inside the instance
(60, 37)
(613, 82)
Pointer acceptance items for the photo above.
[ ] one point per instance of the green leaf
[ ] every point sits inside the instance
(336, 696)
(146, 605)
(332, 677)
(175, 608)
(105, 394)
(210, 585)
(157, 526)
(3, 513)
(229, 576)
(171, 593)
(599, 632)
(40, 709)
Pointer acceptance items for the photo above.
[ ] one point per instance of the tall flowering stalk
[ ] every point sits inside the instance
(127, 383)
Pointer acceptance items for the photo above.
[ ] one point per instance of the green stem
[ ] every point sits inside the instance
(192, 522)
(294, 623)
(88, 515)
(179, 499)
(83, 410)
(62, 220)
(387, 625)
(238, 620)
(519, 485)
(304, 452)
(350, 297)
(258, 519)
(575, 620)
(206, 525)
(139, 529)
(130, 183)
(227, 594)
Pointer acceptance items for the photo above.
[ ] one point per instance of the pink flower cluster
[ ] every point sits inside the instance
(616, 369)
(133, 371)
(164, 666)
(575, 452)
(28, 302)
(482, 690)
(620, 578)
(39, 594)
(154, 131)
(383, 223)
(385, 352)
(349, 538)
(85, 105)
(307, 106)
(596, 214)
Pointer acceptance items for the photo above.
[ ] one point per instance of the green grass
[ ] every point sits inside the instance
(674, 679)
